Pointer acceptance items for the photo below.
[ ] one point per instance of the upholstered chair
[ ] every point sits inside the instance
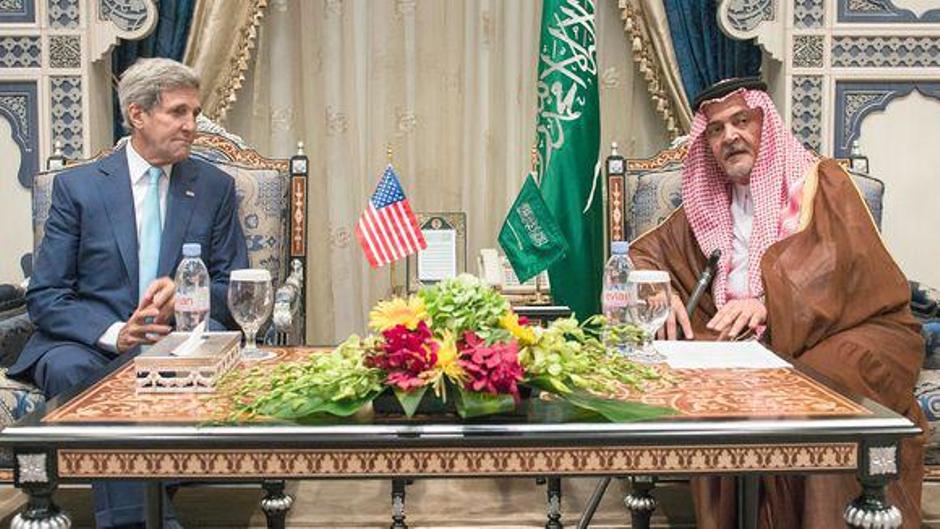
(270, 208)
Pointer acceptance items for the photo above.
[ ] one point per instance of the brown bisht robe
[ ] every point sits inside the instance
(837, 302)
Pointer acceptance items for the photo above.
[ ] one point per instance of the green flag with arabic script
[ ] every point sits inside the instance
(530, 237)
(568, 131)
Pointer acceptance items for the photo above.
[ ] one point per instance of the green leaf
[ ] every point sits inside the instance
(549, 384)
(477, 403)
(410, 400)
(616, 410)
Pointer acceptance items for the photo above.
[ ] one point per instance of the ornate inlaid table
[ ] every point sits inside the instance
(730, 422)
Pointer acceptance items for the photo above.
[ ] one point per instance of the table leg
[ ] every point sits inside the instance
(35, 474)
(398, 504)
(641, 502)
(554, 503)
(879, 466)
(275, 504)
(748, 489)
(41, 511)
(154, 505)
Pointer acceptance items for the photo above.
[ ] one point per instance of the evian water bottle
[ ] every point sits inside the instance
(615, 296)
(192, 289)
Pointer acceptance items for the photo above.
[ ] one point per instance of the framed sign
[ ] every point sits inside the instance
(446, 254)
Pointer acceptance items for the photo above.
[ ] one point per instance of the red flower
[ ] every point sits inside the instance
(405, 355)
(494, 369)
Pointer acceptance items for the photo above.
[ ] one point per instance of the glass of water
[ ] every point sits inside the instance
(648, 306)
(250, 299)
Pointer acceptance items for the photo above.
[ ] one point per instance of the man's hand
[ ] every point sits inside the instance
(737, 314)
(676, 315)
(162, 295)
(140, 331)
(150, 321)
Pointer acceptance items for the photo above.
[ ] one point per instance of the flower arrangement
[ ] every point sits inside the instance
(458, 338)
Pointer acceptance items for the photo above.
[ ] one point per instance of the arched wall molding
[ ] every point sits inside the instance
(855, 101)
(18, 106)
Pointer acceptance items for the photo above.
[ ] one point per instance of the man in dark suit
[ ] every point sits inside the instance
(102, 283)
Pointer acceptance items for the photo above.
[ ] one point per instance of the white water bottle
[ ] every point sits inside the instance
(615, 296)
(192, 289)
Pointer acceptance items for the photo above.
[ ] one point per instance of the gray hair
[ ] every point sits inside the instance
(145, 81)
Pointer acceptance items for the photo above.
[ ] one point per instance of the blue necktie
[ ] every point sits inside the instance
(151, 228)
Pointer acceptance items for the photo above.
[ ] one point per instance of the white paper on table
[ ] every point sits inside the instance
(193, 341)
(439, 260)
(748, 354)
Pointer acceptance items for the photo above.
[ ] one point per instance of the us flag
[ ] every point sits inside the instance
(387, 229)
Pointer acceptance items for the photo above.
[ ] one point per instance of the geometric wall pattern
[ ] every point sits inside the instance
(20, 52)
(66, 98)
(806, 110)
(64, 14)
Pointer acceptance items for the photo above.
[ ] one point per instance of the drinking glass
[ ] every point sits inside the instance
(648, 306)
(250, 299)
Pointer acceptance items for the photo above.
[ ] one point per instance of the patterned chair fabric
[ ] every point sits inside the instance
(262, 188)
(653, 191)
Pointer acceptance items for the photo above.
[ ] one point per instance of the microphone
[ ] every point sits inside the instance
(703, 281)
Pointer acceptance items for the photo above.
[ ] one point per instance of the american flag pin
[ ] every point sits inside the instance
(189, 193)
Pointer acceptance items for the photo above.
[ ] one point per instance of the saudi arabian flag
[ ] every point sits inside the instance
(530, 236)
(568, 144)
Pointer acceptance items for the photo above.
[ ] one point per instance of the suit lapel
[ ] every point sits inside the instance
(115, 191)
(181, 198)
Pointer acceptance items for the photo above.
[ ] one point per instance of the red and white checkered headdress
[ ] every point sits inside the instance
(776, 187)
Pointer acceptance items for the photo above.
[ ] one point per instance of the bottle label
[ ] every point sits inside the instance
(615, 298)
(198, 301)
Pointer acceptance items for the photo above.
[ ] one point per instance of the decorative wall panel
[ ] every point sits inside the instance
(808, 51)
(808, 13)
(66, 99)
(63, 14)
(20, 52)
(856, 100)
(886, 52)
(745, 15)
(17, 11)
(65, 51)
(19, 106)
(806, 110)
(128, 15)
(882, 11)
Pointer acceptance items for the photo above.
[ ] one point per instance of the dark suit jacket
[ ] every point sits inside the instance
(85, 270)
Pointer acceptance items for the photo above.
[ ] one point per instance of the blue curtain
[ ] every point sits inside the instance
(167, 40)
(705, 54)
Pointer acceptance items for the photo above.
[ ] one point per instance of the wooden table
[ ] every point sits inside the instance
(730, 422)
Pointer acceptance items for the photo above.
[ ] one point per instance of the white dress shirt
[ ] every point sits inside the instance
(137, 168)
(742, 216)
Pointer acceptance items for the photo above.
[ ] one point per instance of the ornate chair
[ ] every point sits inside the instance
(651, 191)
(271, 206)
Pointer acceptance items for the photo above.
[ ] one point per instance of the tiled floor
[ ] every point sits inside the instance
(452, 504)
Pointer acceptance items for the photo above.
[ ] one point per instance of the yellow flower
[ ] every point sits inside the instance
(447, 356)
(398, 311)
(523, 334)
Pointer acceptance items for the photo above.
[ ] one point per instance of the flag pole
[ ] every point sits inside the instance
(397, 287)
(540, 297)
